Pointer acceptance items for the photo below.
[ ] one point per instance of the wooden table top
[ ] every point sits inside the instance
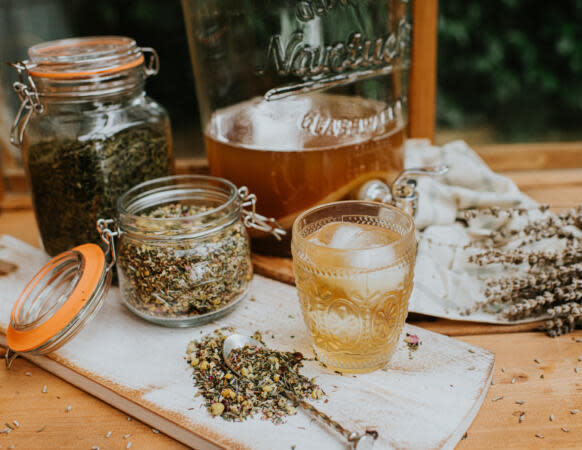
(552, 387)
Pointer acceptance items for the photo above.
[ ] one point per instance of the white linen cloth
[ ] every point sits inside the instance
(446, 284)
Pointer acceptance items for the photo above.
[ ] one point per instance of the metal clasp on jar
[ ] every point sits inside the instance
(254, 220)
(151, 65)
(108, 236)
(403, 192)
(29, 96)
(29, 102)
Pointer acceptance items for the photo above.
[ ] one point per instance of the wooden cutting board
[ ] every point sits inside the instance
(275, 267)
(423, 399)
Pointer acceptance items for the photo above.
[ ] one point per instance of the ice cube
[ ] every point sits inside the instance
(372, 258)
(352, 236)
(363, 285)
(345, 236)
(337, 235)
(367, 246)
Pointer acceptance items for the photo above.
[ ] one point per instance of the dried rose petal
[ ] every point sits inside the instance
(412, 339)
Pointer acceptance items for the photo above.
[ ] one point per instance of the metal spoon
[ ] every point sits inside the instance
(357, 441)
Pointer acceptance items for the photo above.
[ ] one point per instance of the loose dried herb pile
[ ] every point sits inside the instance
(262, 374)
(184, 277)
(552, 282)
(75, 182)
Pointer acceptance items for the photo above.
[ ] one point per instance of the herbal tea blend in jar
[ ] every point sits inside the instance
(183, 254)
(87, 131)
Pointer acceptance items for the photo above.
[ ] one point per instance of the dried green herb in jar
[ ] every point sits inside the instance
(184, 277)
(262, 375)
(76, 182)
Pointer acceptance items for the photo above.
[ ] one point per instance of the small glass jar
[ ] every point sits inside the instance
(183, 253)
(87, 131)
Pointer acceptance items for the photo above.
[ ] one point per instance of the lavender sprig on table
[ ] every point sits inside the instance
(552, 282)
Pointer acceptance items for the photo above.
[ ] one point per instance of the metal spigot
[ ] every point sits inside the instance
(402, 193)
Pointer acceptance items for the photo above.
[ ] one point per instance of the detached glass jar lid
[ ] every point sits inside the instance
(60, 299)
(183, 258)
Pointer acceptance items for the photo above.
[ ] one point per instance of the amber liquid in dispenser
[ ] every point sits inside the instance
(305, 150)
(355, 312)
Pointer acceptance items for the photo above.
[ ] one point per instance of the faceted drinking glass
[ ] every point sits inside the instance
(354, 268)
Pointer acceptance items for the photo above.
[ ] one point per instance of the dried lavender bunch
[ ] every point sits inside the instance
(552, 284)
(572, 216)
(544, 229)
(533, 231)
(559, 326)
(570, 255)
(512, 289)
(496, 211)
(540, 304)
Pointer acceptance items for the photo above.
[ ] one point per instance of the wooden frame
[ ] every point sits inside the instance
(422, 78)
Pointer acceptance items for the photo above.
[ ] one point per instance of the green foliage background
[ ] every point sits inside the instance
(515, 64)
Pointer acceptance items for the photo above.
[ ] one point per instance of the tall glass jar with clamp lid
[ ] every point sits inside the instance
(87, 131)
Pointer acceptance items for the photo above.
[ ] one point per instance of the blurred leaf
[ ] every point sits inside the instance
(516, 63)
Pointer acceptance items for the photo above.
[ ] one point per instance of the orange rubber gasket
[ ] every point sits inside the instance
(28, 340)
(64, 75)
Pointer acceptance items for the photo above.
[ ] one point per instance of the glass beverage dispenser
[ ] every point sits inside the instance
(301, 101)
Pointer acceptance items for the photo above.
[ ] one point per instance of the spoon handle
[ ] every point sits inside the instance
(351, 436)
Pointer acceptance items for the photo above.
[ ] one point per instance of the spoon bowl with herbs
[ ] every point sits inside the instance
(234, 349)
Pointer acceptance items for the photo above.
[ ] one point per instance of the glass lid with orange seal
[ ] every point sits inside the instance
(77, 68)
(64, 295)
(86, 57)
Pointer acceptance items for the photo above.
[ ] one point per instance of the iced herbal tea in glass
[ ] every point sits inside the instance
(354, 268)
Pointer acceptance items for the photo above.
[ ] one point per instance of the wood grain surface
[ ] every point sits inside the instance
(45, 424)
(496, 426)
(531, 156)
(558, 393)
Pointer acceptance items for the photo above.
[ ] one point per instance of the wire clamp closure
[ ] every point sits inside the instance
(254, 220)
(108, 237)
(151, 61)
(29, 102)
